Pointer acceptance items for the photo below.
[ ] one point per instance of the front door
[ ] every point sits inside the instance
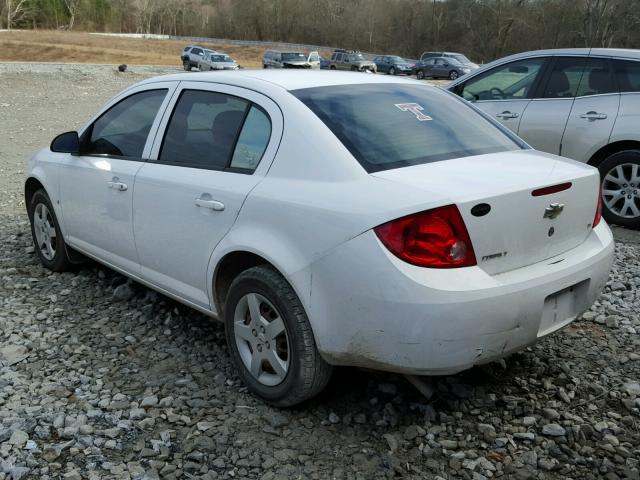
(505, 91)
(96, 187)
(314, 60)
(216, 147)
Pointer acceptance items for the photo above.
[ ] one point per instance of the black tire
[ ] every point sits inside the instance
(625, 160)
(332, 67)
(186, 65)
(354, 68)
(307, 373)
(265, 66)
(420, 75)
(60, 261)
(453, 75)
(392, 71)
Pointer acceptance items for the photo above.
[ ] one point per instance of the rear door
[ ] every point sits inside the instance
(96, 187)
(505, 91)
(545, 117)
(593, 113)
(214, 145)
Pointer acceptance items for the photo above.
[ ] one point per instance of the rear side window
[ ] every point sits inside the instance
(597, 78)
(387, 126)
(215, 131)
(628, 75)
(123, 129)
(565, 77)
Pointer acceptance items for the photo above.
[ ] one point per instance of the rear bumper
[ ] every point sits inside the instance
(370, 309)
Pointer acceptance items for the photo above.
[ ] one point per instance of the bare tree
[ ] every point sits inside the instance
(16, 11)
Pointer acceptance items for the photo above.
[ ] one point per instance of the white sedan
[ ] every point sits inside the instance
(328, 219)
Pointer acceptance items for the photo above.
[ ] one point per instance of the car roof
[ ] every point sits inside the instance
(286, 79)
(607, 52)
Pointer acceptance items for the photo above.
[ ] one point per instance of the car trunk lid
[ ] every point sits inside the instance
(519, 228)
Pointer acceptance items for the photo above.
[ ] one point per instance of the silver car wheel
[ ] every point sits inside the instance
(261, 338)
(621, 190)
(45, 231)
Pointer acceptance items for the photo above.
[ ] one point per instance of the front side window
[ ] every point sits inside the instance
(123, 129)
(597, 78)
(391, 126)
(565, 77)
(628, 75)
(506, 82)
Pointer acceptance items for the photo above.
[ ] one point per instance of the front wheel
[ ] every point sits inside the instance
(45, 231)
(392, 71)
(270, 339)
(332, 67)
(186, 65)
(420, 74)
(620, 175)
(453, 75)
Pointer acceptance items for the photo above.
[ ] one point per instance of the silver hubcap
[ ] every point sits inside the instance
(45, 232)
(621, 190)
(261, 339)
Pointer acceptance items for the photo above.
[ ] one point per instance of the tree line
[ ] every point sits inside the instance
(483, 29)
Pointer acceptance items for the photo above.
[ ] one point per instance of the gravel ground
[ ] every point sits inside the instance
(100, 378)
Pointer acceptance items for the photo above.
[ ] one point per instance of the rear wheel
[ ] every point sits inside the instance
(453, 75)
(332, 67)
(420, 74)
(620, 176)
(270, 339)
(265, 66)
(45, 231)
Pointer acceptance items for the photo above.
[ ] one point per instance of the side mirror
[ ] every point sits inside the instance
(66, 143)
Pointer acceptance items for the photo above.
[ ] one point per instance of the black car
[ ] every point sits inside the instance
(393, 65)
(440, 67)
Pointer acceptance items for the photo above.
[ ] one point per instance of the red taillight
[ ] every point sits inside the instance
(598, 217)
(435, 238)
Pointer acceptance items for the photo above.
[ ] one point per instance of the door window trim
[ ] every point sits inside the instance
(253, 98)
(169, 86)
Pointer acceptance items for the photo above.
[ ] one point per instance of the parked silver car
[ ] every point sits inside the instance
(192, 55)
(579, 103)
(217, 61)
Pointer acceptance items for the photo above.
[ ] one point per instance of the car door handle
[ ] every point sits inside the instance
(116, 185)
(593, 116)
(211, 204)
(507, 114)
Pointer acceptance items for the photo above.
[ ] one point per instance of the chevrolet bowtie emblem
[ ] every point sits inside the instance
(553, 210)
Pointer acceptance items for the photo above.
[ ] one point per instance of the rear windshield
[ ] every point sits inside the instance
(388, 125)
